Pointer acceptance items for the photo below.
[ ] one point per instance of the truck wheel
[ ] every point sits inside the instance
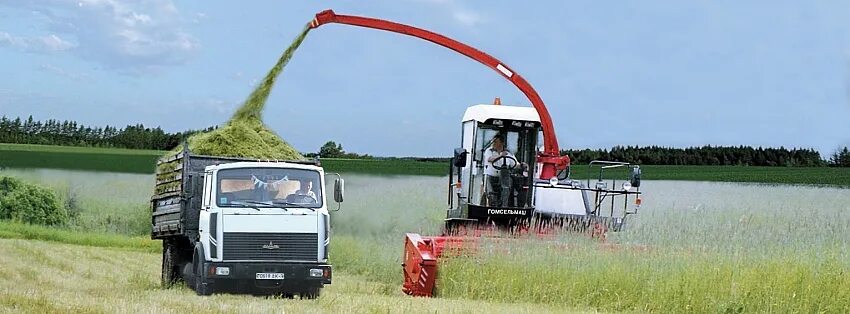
(202, 287)
(170, 276)
(311, 293)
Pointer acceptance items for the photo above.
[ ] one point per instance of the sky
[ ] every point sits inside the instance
(669, 73)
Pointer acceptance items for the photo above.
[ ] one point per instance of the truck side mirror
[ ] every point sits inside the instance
(460, 157)
(634, 176)
(339, 190)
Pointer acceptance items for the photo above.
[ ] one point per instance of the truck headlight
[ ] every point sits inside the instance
(222, 271)
(316, 272)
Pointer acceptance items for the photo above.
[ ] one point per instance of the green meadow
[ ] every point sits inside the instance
(703, 247)
(143, 161)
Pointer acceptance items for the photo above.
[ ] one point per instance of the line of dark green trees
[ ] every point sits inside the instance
(71, 133)
(712, 155)
(657, 155)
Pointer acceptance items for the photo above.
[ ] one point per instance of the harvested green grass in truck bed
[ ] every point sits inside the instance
(245, 135)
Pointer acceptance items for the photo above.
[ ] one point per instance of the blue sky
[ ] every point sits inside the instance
(672, 73)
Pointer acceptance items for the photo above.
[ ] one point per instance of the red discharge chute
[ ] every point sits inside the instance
(550, 158)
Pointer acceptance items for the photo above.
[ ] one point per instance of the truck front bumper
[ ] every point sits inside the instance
(296, 276)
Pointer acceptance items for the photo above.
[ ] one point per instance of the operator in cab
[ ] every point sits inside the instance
(304, 194)
(494, 158)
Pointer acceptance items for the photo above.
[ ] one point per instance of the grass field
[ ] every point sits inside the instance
(694, 247)
(48, 277)
(142, 162)
(589, 277)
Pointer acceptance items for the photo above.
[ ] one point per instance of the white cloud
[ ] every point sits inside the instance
(64, 73)
(214, 104)
(137, 36)
(465, 17)
(43, 44)
(458, 12)
(199, 17)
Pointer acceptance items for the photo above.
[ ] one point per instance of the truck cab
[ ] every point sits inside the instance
(495, 178)
(240, 225)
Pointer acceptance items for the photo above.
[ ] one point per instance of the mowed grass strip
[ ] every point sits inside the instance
(13, 230)
(44, 277)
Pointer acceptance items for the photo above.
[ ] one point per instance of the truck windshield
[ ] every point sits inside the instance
(269, 187)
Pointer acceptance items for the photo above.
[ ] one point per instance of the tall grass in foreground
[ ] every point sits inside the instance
(696, 246)
(665, 280)
(368, 232)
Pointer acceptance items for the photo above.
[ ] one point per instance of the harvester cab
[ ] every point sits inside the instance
(495, 179)
(492, 171)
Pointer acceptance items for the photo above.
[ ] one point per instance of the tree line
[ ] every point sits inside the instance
(71, 133)
(840, 158)
(712, 155)
(333, 149)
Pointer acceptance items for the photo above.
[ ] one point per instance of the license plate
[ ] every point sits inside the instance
(270, 276)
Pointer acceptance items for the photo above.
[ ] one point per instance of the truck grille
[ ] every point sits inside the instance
(270, 246)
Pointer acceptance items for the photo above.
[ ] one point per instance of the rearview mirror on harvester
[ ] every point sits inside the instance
(460, 157)
(339, 190)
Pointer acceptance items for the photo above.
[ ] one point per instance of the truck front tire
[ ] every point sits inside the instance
(202, 287)
(311, 293)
